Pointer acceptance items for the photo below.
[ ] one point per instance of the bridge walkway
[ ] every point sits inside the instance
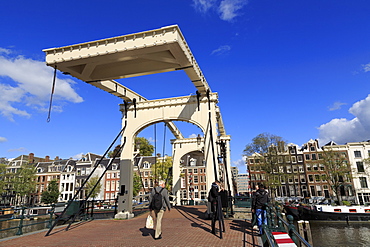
(182, 226)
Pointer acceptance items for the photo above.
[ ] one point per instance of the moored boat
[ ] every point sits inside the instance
(334, 213)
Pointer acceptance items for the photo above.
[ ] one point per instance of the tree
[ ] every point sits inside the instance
(3, 178)
(137, 184)
(162, 170)
(24, 181)
(269, 154)
(90, 187)
(146, 149)
(51, 194)
(337, 171)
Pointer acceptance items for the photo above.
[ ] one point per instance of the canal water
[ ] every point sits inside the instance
(340, 234)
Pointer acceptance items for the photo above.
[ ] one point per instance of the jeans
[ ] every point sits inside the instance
(261, 219)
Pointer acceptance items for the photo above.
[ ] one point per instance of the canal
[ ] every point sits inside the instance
(338, 234)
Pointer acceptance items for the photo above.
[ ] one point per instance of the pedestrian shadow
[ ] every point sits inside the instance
(147, 232)
(246, 227)
(195, 221)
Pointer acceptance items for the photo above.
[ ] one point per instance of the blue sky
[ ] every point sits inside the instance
(297, 69)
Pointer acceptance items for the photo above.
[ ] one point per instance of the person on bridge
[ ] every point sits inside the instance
(213, 198)
(259, 205)
(161, 193)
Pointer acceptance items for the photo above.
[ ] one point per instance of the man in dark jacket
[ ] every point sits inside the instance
(259, 204)
(159, 213)
(213, 199)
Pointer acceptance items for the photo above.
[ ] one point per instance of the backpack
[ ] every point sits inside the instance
(156, 203)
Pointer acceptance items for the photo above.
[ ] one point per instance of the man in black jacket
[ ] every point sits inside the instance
(259, 204)
(213, 199)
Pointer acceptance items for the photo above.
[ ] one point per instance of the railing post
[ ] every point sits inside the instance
(20, 227)
(51, 212)
(279, 216)
(291, 228)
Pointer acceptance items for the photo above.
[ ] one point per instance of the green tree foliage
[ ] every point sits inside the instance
(24, 181)
(269, 152)
(51, 194)
(146, 149)
(137, 184)
(90, 187)
(261, 143)
(162, 170)
(3, 178)
(337, 171)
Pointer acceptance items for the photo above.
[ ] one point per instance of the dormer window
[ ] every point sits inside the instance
(114, 167)
(146, 165)
(40, 170)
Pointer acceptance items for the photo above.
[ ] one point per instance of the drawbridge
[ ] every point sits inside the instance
(102, 62)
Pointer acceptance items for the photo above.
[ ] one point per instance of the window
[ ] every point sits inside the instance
(357, 154)
(317, 178)
(301, 169)
(308, 167)
(360, 166)
(312, 148)
(287, 159)
(314, 157)
(294, 159)
(292, 151)
(299, 157)
(310, 177)
(195, 179)
(363, 182)
(195, 170)
(320, 156)
(307, 156)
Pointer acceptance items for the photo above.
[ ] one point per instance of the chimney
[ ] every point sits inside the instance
(31, 157)
(47, 158)
(56, 158)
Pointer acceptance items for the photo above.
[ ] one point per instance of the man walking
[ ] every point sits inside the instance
(259, 205)
(158, 203)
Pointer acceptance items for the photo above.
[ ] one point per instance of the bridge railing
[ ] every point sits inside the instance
(276, 223)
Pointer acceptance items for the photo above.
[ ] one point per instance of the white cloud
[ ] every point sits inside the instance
(342, 130)
(336, 106)
(6, 51)
(31, 83)
(240, 163)
(21, 150)
(193, 136)
(366, 67)
(78, 156)
(221, 50)
(3, 139)
(227, 9)
(203, 5)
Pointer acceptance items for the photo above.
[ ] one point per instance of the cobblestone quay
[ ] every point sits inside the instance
(182, 226)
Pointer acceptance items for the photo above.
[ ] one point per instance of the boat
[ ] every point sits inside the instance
(334, 213)
(6, 213)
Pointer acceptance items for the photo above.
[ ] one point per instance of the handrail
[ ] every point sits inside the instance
(275, 221)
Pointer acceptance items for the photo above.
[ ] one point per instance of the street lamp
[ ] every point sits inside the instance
(199, 139)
